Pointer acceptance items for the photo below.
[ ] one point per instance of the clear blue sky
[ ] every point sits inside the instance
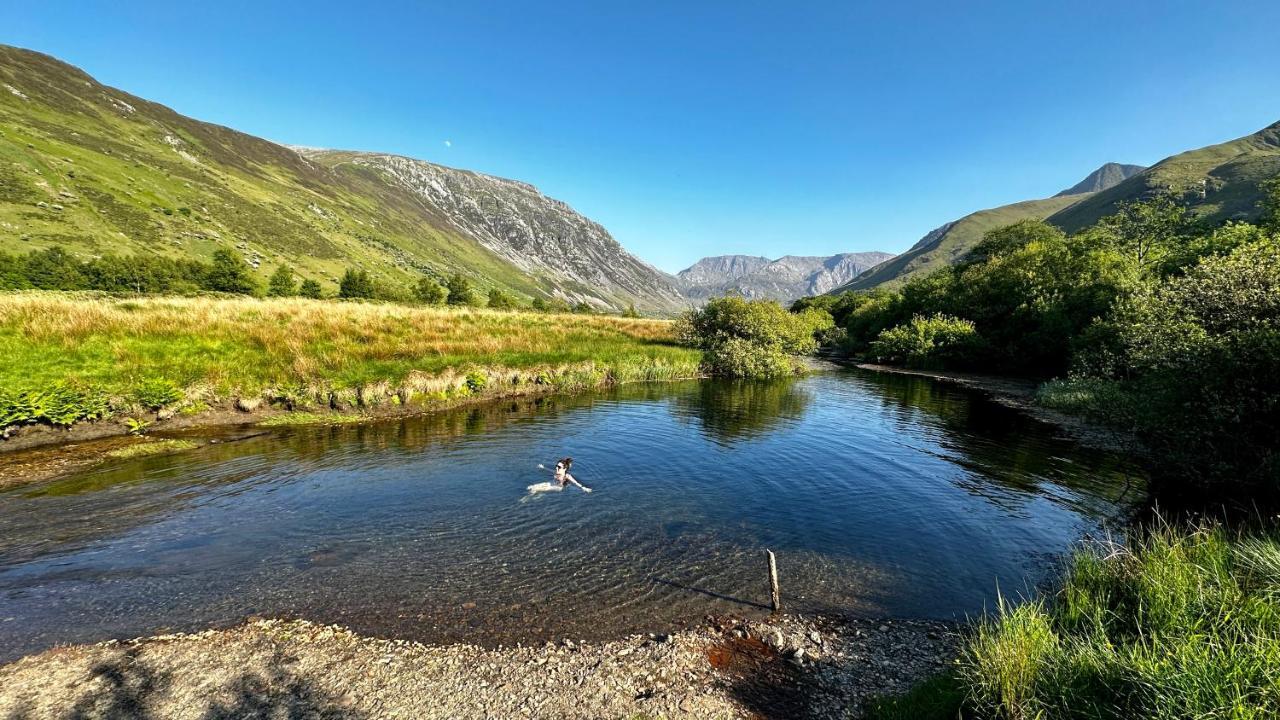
(692, 129)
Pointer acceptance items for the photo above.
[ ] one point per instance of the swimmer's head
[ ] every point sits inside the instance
(565, 463)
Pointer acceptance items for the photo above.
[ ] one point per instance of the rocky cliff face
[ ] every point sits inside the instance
(784, 279)
(540, 235)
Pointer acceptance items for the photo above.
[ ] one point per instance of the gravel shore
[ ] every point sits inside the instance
(785, 667)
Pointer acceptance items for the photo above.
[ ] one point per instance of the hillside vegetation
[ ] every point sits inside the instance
(98, 171)
(1217, 183)
(65, 358)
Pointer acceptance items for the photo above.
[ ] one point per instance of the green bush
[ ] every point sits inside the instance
(751, 338)
(430, 292)
(155, 393)
(499, 300)
(1199, 356)
(460, 292)
(355, 284)
(476, 381)
(62, 404)
(281, 283)
(310, 289)
(934, 342)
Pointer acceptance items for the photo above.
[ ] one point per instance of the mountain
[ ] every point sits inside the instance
(1218, 183)
(947, 244)
(784, 279)
(97, 170)
(1107, 176)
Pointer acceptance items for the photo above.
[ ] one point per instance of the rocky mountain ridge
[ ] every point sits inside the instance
(784, 279)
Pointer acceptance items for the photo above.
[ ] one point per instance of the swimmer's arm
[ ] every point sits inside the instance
(574, 480)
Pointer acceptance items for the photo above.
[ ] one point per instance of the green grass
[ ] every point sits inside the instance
(1231, 172)
(1177, 623)
(68, 357)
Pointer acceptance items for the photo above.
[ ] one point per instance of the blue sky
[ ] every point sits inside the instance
(692, 129)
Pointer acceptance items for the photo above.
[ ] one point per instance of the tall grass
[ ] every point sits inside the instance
(1176, 623)
(152, 352)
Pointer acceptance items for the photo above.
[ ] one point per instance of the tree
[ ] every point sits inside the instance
(539, 305)
(460, 292)
(430, 292)
(310, 289)
(631, 311)
(281, 282)
(355, 284)
(583, 308)
(229, 273)
(1148, 230)
(1270, 205)
(499, 300)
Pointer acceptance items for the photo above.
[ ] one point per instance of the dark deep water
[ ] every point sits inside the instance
(882, 495)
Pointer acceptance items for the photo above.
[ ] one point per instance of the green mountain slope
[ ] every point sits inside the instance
(1219, 182)
(951, 242)
(98, 171)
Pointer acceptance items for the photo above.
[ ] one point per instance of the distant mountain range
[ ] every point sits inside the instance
(1217, 183)
(97, 170)
(784, 279)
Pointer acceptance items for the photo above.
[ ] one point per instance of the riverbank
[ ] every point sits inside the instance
(1020, 394)
(77, 367)
(786, 667)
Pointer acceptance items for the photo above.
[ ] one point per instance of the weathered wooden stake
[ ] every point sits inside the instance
(774, 592)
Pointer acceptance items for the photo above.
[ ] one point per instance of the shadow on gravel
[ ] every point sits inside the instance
(137, 691)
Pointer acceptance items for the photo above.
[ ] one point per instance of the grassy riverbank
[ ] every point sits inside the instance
(1174, 624)
(67, 358)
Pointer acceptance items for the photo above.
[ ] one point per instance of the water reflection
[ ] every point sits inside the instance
(883, 495)
(733, 410)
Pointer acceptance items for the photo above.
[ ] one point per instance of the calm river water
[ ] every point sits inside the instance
(882, 496)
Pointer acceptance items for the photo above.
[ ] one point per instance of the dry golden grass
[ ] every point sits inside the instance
(237, 346)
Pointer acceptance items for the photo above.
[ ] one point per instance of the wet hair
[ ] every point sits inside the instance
(566, 462)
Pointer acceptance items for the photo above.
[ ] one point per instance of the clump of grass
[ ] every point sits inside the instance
(152, 447)
(1176, 623)
(191, 352)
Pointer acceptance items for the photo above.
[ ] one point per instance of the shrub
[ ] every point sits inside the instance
(355, 284)
(1200, 357)
(281, 283)
(460, 292)
(229, 273)
(751, 338)
(155, 393)
(499, 300)
(430, 292)
(741, 358)
(310, 289)
(60, 404)
(934, 342)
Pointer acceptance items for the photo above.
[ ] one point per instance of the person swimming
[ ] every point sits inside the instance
(562, 476)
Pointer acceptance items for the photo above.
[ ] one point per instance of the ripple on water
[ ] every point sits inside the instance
(881, 495)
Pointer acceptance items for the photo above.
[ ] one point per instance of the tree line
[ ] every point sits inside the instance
(226, 272)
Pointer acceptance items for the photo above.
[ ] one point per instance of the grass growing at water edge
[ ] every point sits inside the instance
(1177, 623)
(71, 357)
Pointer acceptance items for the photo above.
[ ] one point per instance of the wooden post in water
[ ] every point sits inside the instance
(774, 593)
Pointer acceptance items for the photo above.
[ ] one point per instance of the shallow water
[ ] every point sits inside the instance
(882, 495)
